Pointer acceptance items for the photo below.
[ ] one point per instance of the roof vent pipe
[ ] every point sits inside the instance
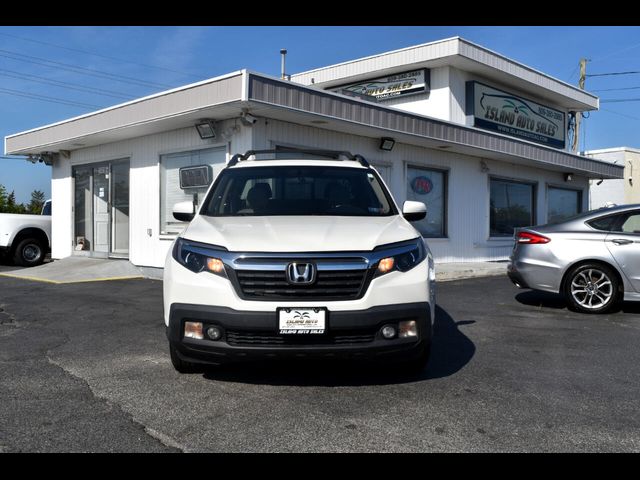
(283, 53)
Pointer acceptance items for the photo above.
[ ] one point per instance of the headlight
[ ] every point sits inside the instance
(199, 257)
(403, 256)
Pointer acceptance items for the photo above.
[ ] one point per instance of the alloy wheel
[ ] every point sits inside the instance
(592, 289)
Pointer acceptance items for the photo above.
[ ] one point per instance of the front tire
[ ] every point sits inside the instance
(418, 362)
(179, 364)
(29, 252)
(592, 288)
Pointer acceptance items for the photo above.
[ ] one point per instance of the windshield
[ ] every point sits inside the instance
(298, 190)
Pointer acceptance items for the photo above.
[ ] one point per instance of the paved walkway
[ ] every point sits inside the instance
(84, 269)
(457, 271)
(75, 270)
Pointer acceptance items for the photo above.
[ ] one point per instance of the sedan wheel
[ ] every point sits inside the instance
(592, 288)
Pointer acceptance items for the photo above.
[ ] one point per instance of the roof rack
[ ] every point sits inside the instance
(331, 154)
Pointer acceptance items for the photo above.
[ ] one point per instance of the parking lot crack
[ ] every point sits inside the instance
(160, 437)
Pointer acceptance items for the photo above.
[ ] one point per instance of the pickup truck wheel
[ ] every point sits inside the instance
(29, 252)
(419, 361)
(179, 364)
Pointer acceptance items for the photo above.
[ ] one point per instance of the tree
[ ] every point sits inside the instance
(3, 199)
(36, 203)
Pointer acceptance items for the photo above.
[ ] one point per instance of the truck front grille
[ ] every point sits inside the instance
(329, 285)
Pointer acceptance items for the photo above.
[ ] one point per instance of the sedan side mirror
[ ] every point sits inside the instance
(414, 211)
(184, 211)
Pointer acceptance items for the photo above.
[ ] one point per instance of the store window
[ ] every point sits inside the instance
(511, 206)
(429, 187)
(384, 171)
(170, 191)
(563, 203)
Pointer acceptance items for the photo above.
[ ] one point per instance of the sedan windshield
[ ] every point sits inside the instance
(298, 190)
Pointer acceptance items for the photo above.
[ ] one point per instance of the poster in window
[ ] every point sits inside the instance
(428, 186)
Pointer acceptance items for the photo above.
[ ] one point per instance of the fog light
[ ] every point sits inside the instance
(214, 333)
(388, 331)
(408, 329)
(193, 330)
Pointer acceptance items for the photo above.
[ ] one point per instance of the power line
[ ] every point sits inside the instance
(615, 89)
(77, 50)
(631, 47)
(619, 100)
(76, 69)
(621, 114)
(612, 73)
(58, 83)
(575, 70)
(45, 98)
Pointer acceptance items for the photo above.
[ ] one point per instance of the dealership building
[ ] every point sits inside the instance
(619, 191)
(479, 138)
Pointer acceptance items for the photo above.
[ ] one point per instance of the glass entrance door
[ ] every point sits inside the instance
(101, 209)
(101, 200)
(120, 208)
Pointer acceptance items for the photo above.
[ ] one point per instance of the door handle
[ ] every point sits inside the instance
(621, 241)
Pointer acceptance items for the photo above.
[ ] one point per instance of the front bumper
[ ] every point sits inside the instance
(249, 335)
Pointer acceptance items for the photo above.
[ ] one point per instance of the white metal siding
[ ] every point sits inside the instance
(144, 154)
(434, 104)
(407, 56)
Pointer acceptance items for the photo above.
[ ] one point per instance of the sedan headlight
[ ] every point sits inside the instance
(403, 256)
(199, 257)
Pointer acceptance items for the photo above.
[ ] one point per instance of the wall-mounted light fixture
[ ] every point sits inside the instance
(568, 177)
(247, 119)
(387, 143)
(484, 168)
(206, 129)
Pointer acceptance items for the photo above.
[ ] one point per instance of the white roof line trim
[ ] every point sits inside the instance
(132, 102)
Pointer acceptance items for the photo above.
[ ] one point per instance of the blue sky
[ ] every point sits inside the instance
(95, 67)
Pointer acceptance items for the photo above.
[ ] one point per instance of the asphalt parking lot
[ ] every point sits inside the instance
(85, 368)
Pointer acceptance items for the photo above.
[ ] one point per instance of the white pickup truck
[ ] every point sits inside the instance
(26, 238)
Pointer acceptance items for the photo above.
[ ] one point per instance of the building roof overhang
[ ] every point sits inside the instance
(227, 96)
(463, 55)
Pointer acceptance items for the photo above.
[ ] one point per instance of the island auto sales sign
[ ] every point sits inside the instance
(393, 86)
(506, 113)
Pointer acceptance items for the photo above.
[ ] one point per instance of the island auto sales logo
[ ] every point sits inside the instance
(421, 185)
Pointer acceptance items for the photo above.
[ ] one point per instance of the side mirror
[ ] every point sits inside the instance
(414, 211)
(184, 211)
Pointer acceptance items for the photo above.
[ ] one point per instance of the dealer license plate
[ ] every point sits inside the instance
(302, 321)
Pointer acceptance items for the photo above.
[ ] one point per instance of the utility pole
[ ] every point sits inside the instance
(583, 76)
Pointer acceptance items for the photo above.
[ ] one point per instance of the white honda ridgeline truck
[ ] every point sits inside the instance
(299, 257)
(26, 239)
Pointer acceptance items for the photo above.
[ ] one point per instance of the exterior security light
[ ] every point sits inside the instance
(248, 119)
(206, 129)
(568, 177)
(387, 143)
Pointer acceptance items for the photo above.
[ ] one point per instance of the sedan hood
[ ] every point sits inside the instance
(299, 233)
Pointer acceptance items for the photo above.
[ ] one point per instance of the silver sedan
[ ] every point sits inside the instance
(593, 259)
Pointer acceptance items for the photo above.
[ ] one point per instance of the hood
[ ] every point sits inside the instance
(299, 233)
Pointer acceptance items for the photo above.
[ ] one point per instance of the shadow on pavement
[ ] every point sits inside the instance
(451, 351)
(537, 298)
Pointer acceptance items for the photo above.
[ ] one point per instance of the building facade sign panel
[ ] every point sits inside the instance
(503, 112)
(392, 86)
